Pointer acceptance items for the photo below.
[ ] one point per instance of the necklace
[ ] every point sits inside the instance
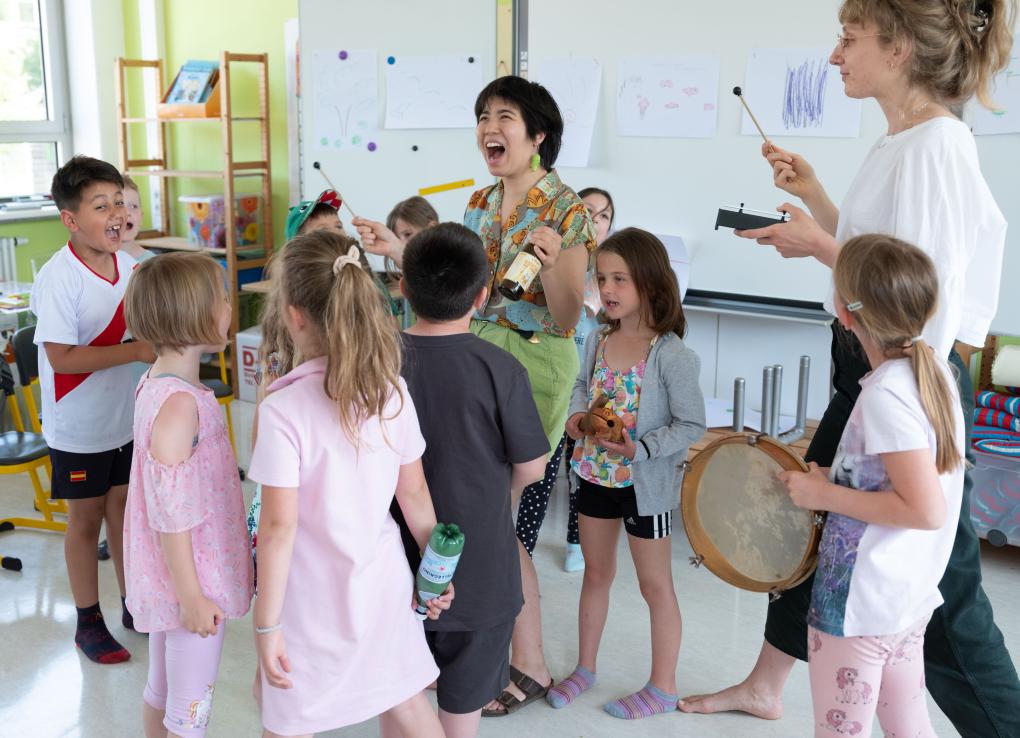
(907, 121)
(916, 111)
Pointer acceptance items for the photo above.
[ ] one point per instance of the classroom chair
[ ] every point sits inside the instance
(26, 451)
(224, 395)
(26, 359)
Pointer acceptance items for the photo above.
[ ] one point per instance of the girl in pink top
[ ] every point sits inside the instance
(337, 639)
(186, 556)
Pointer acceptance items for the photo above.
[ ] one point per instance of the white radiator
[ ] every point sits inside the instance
(8, 270)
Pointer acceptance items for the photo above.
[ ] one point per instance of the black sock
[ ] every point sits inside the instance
(95, 641)
(126, 618)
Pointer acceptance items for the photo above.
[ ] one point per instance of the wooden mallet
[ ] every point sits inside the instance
(343, 200)
(739, 93)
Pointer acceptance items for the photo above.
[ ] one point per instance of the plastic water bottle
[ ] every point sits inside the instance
(438, 564)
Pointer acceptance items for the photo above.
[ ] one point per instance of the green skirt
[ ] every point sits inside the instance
(552, 366)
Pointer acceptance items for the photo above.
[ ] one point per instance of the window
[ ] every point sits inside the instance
(35, 135)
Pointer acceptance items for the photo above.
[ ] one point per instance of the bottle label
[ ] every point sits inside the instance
(437, 569)
(523, 270)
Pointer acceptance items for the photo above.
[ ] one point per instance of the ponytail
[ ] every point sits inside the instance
(319, 273)
(937, 400)
(362, 348)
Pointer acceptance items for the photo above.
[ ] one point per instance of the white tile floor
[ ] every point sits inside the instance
(47, 689)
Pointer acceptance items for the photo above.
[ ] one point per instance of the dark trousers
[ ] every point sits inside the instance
(968, 670)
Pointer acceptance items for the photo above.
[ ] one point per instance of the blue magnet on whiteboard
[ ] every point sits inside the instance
(342, 55)
(372, 146)
(391, 60)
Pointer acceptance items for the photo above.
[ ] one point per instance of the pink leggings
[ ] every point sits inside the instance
(182, 677)
(853, 678)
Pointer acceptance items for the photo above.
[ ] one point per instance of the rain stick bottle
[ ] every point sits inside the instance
(438, 564)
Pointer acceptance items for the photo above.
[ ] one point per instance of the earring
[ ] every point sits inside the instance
(535, 161)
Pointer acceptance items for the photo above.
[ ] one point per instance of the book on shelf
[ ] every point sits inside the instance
(194, 82)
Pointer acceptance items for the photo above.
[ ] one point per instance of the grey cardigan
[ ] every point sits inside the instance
(671, 417)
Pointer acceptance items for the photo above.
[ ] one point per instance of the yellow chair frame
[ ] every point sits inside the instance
(43, 503)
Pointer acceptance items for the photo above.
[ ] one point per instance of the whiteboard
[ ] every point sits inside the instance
(403, 161)
(674, 185)
(666, 185)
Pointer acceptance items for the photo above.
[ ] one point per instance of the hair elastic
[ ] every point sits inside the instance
(854, 306)
(915, 339)
(351, 257)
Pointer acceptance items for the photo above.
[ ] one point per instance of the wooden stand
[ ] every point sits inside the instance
(159, 166)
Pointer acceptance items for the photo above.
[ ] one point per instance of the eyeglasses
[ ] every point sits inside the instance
(844, 41)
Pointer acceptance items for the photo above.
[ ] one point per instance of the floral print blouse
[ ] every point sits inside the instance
(590, 461)
(549, 202)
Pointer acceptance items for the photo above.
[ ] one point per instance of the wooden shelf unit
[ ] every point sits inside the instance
(160, 167)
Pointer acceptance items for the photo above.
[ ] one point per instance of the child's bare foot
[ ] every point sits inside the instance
(741, 697)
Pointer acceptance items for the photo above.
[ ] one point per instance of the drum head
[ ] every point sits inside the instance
(739, 517)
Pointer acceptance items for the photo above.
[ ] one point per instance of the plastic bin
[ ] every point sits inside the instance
(206, 215)
(995, 498)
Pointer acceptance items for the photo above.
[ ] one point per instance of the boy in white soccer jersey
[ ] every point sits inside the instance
(86, 383)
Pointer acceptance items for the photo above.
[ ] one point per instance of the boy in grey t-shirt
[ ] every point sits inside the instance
(483, 439)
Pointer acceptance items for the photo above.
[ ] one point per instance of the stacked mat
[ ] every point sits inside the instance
(997, 423)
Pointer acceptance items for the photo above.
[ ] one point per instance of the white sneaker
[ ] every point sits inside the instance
(574, 560)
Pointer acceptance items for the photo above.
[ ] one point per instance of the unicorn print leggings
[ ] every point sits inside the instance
(853, 679)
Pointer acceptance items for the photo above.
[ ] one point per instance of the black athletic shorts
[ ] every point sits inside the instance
(610, 503)
(83, 476)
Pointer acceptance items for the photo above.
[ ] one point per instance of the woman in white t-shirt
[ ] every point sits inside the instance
(893, 496)
(921, 182)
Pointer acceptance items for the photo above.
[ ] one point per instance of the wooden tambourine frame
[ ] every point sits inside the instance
(706, 552)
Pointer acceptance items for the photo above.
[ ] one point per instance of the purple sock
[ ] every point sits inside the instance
(570, 688)
(649, 701)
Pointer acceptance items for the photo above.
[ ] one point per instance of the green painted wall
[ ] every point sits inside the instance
(45, 237)
(198, 29)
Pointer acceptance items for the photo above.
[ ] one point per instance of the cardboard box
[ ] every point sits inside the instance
(248, 342)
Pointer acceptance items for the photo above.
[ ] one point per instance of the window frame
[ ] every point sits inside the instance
(57, 129)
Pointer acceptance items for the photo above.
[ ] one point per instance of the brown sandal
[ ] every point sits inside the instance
(511, 703)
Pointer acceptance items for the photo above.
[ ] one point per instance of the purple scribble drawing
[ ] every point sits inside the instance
(804, 98)
(691, 91)
(665, 83)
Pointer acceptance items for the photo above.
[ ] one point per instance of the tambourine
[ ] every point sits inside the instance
(739, 518)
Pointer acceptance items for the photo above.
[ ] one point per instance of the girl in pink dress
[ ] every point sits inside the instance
(337, 638)
(186, 559)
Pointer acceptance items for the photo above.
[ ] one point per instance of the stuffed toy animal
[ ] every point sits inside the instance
(601, 422)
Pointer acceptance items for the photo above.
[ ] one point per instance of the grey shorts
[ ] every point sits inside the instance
(474, 666)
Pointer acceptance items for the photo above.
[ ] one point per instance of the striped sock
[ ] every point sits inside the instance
(649, 701)
(571, 688)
